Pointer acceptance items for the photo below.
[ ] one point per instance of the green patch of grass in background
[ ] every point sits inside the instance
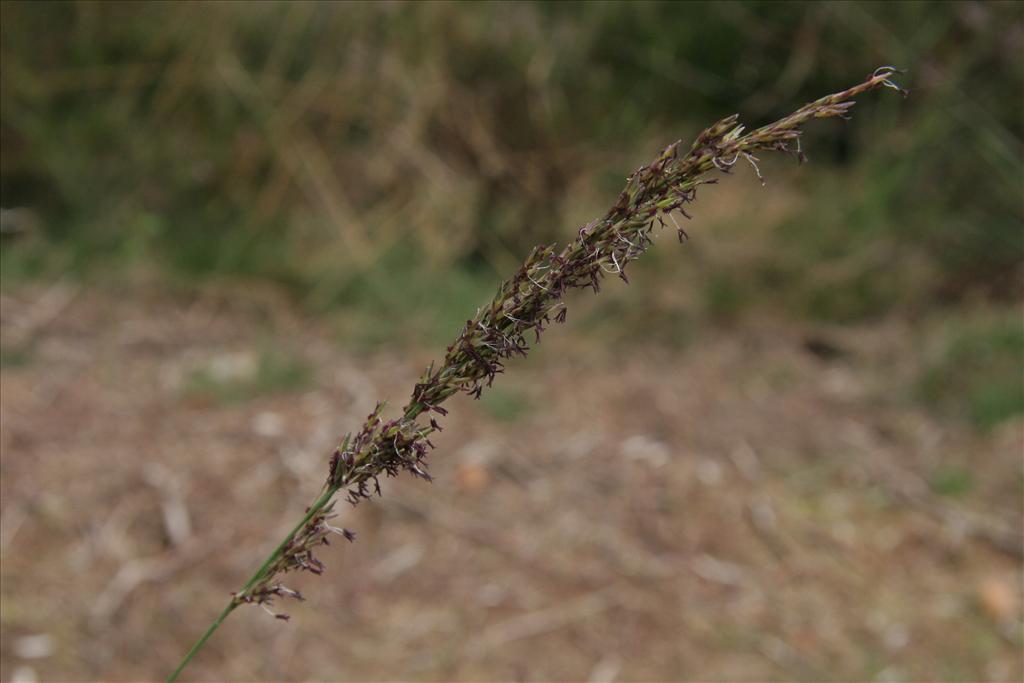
(865, 296)
(15, 357)
(979, 373)
(725, 297)
(954, 482)
(235, 378)
(25, 263)
(633, 316)
(403, 301)
(507, 405)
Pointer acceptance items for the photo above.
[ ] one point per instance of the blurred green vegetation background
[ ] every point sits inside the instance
(389, 163)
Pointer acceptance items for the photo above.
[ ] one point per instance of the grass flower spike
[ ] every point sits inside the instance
(524, 306)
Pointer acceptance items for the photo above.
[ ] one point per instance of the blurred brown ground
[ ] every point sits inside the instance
(742, 510)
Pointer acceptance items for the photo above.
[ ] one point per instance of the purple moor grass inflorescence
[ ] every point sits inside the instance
(525, 305)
